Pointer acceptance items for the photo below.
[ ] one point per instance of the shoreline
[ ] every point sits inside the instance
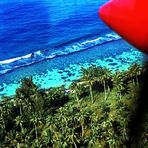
(57, 73)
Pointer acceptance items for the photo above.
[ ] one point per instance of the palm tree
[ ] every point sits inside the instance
(103, 77)
(123, 113)
(19, 122)
(118, 81)
(137, 73)
(88, 78)
(18, 102)
(78, 89)
(134, 72)
(2, 114)
(5, 113)
(35, 120)
(27, 90)
(46, 136)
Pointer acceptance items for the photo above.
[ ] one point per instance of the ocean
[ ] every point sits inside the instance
(51, 40)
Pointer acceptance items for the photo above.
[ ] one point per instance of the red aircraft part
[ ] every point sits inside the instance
(129, 18)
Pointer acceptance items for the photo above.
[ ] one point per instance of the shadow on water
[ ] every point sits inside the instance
(27, 26)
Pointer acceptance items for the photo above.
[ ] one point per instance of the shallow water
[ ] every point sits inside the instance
(63, 70)
(51, 40)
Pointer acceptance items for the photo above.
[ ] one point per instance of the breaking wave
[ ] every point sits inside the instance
(61, 50)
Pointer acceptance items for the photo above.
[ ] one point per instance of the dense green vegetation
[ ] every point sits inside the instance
(95, 111)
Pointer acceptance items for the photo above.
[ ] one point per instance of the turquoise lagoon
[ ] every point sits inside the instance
(51, 40)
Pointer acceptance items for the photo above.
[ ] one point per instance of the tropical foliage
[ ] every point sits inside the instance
(95, 112)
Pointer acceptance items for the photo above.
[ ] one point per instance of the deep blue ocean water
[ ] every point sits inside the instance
(36, 34)
(27, 26)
